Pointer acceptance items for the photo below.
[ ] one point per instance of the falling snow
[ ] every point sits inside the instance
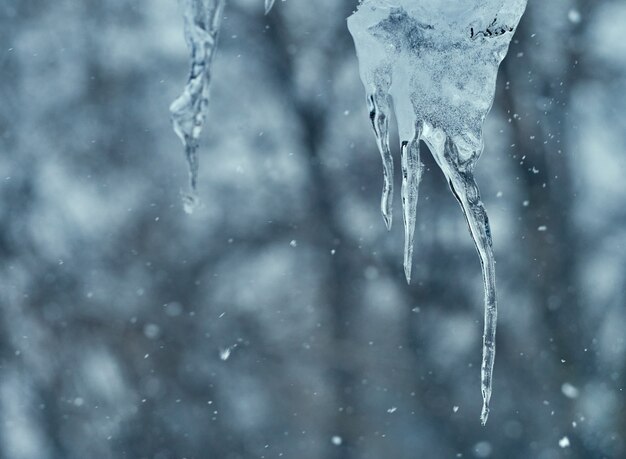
(225, 353)
(569, 390)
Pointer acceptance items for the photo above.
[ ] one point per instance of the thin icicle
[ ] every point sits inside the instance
(268, 5)
(457, 166)
(379, 115)
(188, 111)
(439, 61)
(411, 177)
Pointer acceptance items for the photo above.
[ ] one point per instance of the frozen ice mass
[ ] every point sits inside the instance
(435, 65)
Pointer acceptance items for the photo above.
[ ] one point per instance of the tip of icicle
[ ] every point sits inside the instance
(268, 6)
(190, 203)
(407, 273)
(388, 221)
(484, 415)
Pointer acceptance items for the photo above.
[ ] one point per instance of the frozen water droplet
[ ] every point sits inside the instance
(564, 442)
(190, 203)
(293, 243)
(336, 440)
(542, 228)
(392, 410)
(455, 408)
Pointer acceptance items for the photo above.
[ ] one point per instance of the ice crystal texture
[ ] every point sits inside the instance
(436, 64)
(188, 111)
(203, 19)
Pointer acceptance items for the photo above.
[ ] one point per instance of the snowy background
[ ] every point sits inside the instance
(276, 321)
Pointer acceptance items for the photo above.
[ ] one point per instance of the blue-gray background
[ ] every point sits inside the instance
(117, 310)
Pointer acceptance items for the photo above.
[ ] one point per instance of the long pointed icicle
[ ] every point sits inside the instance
(379, 115)
(439, 63)
(202, 24)
(411, 177)
(461, 180)
(268, 5)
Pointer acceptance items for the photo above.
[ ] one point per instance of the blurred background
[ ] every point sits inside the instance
(275, 322)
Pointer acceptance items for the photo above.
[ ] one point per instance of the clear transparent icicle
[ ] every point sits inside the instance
(437, 62)
(268, 5)
(188, 111)
(379, 115)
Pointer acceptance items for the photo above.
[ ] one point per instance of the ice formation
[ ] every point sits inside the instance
(202, 25)
(436, 63)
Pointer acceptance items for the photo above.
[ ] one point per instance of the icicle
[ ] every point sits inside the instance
(457, 166)
(411, 176)
(202, 24)
(268, 5)
(379, 115)
(438, 62)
